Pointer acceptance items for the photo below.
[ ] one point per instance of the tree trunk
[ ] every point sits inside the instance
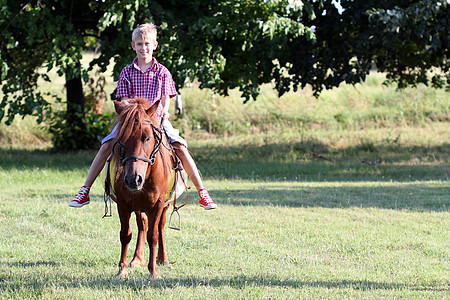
(75, 102)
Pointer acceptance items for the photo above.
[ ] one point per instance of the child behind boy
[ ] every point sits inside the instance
(146, 78)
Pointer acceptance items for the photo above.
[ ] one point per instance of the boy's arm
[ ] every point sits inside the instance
(165, 102)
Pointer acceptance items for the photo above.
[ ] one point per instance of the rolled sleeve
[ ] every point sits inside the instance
(168, 85)
(124, 86)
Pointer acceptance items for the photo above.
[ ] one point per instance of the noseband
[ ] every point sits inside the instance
(157, 134)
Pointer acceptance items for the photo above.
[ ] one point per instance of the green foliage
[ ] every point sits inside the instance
(89, 136)
(34, 36)
(222, 44)
(414, 39)
(228, 44)
(405, 39)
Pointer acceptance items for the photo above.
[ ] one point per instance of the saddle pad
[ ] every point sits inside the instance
(176, 185)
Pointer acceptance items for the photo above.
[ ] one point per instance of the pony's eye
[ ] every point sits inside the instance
(147, 139)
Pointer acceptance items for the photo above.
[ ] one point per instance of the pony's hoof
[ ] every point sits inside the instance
(137, 263)
(122, 274)
(155, 276)
(166, 263)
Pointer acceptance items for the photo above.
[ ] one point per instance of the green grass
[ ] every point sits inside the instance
(345, 196)
(284, 229)
(368, 105)
(249, 252)
(269, 239)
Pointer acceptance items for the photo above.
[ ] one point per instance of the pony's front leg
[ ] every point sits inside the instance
(125, 238)
(162, 253)
(142, 224)
(152, 237)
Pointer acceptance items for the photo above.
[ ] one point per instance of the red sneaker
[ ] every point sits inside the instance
(82, 198)
(205, 200)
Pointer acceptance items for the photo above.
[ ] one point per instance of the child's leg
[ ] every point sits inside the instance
(82, 198)
(98, 163)
(191, 169)
(189, 165)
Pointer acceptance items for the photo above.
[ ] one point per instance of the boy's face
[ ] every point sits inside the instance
(144, 48)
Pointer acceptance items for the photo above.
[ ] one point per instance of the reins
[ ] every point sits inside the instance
(177, 167)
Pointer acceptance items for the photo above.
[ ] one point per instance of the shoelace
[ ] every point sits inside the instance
(205, 197)
(81, 194)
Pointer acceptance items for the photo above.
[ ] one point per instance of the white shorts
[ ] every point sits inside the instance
(172, 133)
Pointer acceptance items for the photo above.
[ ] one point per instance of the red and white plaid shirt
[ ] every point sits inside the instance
(152, 84)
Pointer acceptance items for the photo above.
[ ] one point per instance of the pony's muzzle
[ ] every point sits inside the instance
(134, 182)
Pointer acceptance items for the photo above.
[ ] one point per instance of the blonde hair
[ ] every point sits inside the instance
(144, 31)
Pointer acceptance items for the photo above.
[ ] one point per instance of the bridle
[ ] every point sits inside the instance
(157, 134)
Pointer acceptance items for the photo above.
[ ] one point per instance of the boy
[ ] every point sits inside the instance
(146, 78)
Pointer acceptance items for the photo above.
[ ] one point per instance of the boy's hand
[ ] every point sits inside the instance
(165, 103)
(165, 115)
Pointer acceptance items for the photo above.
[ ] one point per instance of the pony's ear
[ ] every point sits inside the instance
(118, 106)
(151, 111)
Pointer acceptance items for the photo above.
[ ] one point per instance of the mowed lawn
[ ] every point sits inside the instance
(342, 197)
(305, 229)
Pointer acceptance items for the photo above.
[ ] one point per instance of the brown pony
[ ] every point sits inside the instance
(143, 171)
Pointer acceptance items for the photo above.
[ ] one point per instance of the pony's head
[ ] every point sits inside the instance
(137, 136)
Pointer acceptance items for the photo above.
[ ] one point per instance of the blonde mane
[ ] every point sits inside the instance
(131, 121)
(131, 118)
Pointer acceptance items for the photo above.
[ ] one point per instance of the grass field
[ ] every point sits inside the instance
(324, 201)
(273, 237)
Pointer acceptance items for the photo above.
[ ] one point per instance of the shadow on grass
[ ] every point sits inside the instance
(30, 159)
(275, 176)
(319, 171)
(395, 196)
(318, 163)
(241, 281)
(419, 197)
(237, 282)
(271, 162)
(28, 264)
(312, 149)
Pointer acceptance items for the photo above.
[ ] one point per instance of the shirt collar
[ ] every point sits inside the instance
(154, 67)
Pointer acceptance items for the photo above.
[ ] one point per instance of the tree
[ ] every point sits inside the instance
(224, 44)
(38, 37)
(407, 39)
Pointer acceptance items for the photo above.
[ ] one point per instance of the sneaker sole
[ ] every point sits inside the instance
(207, 207)
(78, 205)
